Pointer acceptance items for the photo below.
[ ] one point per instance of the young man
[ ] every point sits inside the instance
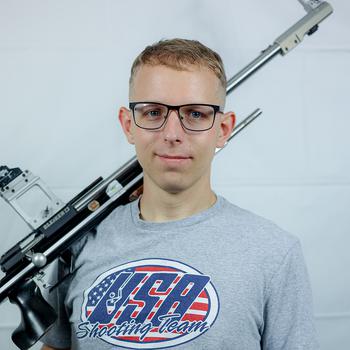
(182, 267)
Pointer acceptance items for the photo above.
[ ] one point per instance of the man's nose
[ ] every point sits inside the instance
(173, 130)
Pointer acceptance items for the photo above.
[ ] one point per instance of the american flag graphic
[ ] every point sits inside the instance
(156, 294)
(98, 292)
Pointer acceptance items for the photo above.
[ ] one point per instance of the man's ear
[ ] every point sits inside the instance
(125, 119)
(227, 123)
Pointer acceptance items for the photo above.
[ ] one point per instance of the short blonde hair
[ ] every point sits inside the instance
(179, 54)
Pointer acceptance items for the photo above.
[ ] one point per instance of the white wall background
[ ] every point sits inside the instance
(64, 69)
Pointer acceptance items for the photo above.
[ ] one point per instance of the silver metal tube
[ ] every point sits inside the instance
(285, 42)
(252, 67)
(245, 122)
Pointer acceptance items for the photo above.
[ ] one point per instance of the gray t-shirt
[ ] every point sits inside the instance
(221, 279)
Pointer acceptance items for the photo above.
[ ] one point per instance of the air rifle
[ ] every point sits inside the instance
(56, 225)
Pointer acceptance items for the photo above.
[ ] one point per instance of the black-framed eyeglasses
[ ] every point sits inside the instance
(193, 117)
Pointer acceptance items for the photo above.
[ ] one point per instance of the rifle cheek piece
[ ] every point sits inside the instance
(37, 316)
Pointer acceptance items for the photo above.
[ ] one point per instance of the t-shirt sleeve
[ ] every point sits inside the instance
(288, 314)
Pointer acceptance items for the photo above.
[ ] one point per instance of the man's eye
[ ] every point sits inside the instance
(196, 114)
(153, 113)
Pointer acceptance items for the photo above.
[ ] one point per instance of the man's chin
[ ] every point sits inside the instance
(173, 187)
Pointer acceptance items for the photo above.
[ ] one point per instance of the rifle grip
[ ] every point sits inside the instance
(37, 315)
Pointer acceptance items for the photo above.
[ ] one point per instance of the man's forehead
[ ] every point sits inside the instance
(175, 69)
(189, 79)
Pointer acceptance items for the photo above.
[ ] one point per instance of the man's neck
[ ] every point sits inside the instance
(160, 206)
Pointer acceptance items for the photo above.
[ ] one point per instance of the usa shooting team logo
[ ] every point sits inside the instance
(149, 304)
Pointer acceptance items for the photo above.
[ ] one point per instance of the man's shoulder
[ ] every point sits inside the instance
(115, 220)
(255, 229)
(117, 217)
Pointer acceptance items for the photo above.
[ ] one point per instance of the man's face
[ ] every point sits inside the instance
(172, 158)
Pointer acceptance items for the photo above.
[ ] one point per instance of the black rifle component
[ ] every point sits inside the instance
(66, 218)
(32, 327)
(68, 230)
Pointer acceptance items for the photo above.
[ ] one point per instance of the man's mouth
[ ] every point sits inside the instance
(173, 159)
(172, 156)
